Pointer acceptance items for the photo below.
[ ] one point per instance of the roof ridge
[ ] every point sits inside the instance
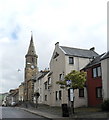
(76, 48)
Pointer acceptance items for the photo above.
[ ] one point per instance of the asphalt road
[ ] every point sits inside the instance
(11, 112)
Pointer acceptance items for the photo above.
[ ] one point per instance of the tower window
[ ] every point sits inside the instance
(32, 59)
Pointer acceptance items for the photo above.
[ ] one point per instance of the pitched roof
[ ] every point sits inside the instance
(106, 55)
(40, 75)
(31, 49)
(79, 52)
(94, 62)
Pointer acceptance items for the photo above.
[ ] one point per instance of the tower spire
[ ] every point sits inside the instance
(31, 49)
(31, 36)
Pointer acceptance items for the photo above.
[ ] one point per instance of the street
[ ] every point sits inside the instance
(11, 112)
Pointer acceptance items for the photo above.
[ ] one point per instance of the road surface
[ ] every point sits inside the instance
(11, 112)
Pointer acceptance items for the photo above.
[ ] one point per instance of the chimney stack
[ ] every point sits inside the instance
(93, 48)
(57, 44)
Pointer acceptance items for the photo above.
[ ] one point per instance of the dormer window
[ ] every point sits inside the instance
(71, 60)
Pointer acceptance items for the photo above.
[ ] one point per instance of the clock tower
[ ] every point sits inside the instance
(30, 71)
(31, 62)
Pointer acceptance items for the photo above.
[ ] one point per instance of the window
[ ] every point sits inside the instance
(96, 72)
(45, 97)
(49, 80)
(60, 77)
(45, 85)
(99, 92)
(60, 95)
(81, 92)
(71, 60)
(56, 95)
(99, 71)
(32, 59)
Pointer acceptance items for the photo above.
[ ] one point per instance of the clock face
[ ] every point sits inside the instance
(32, 66)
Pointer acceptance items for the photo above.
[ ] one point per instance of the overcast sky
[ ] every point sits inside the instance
(73, 23)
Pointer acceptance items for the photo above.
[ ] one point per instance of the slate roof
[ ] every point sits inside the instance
(97, 60)
(40, 75)
(79, 52)
(105, 56)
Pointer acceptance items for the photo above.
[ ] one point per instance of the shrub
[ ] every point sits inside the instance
(105, 105)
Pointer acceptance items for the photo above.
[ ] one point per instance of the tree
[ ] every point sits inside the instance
(75, 79)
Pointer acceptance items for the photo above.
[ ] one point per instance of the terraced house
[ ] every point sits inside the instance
(65, 59)
(94, 81)
(105, 75)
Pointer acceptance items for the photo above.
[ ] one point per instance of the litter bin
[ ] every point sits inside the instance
(65, 110)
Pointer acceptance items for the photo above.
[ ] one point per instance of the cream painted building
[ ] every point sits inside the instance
(105, 75)
(65, 59)
(39, 86)
(21, 92)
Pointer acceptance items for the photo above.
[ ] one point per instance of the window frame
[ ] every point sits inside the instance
(61, 76)
(45, 85)
(45, 97)
(71, 60)
(60, 95)
(97, 72)
(97, 93)
(81, 94)
(49, 80)
(56, 95)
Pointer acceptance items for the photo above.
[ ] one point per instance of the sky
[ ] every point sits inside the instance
(73, 23)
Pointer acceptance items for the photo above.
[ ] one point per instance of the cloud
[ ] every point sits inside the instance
(73, 23)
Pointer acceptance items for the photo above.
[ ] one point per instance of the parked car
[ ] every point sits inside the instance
(13, 103)
(4, 104)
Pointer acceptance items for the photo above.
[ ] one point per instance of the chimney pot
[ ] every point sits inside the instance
(93, 48)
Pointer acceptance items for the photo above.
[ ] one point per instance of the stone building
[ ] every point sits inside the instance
(30, 71)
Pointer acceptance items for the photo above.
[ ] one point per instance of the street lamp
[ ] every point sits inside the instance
(70, 94)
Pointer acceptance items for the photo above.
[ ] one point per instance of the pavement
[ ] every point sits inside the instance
(56, 112)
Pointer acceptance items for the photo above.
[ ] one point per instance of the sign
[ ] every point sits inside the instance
(68, 82)
(71, 94)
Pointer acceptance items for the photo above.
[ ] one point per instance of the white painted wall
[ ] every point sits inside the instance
(60, 65)
(105, 78)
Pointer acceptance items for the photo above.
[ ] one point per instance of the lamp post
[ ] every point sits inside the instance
(71, 94)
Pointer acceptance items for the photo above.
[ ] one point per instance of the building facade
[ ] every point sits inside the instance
(63, 61)
(94, 82)
(39, 86)
(21, 91)
(105, 75)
